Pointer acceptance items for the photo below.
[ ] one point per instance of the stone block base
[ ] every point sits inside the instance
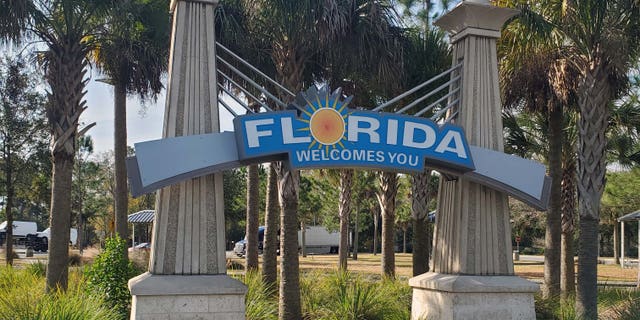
(169, 297)
(445, 296)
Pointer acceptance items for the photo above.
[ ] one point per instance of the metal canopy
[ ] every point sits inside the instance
(144, 216)
(633, 216)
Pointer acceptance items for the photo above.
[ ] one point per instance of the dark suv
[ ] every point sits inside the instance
(240, 248)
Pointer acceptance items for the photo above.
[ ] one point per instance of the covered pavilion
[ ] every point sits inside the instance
(143, 218)
(633, 216)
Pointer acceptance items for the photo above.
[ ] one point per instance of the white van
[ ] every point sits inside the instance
(73, 235)
(20, 228)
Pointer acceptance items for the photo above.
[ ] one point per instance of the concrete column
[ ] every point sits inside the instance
(472, 274)
(187, 269)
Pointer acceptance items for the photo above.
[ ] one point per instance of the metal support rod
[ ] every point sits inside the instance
(254, 69)
(439, 113)
(257, 86)
(432, 92)
(233, 96)
(228, 108)
(245, 91)
(416, 88)
(453, 115)
(437, 102)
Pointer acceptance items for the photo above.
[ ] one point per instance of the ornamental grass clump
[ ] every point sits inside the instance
(348, 296)
(261, 301)
(23, 298)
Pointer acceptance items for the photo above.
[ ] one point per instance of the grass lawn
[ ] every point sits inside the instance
(370, 264)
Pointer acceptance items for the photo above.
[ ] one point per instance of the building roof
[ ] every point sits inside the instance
(633, 216)
(144, 216)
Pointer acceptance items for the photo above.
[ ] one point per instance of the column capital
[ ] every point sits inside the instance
(475, 18)
(174, 3)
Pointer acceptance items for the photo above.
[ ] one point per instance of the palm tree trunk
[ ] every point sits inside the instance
(419, 213)
(65, 73)
(253, 198)
(593, 100)
(387, 200)
(344, 210)
(553, 233)
(57, 268)
(289, 302)
(567, 272)
(270, 247)
(290, 68)
(120, 155)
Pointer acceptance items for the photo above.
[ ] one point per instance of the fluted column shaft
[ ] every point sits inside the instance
(188, 235)
(473, 234)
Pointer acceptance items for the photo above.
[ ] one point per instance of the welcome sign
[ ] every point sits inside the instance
(325, 133)
(319, 131)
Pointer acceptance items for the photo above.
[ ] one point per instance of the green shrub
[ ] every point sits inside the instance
(23, 298)
(109, 274)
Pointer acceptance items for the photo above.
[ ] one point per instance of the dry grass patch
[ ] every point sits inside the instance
(368, 263)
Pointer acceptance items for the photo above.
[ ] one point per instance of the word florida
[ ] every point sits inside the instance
(352, 138)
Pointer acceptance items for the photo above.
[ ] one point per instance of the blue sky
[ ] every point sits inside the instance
(143, 123)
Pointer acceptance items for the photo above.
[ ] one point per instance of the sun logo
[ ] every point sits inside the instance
(326, 114)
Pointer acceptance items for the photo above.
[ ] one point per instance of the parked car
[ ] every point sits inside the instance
(240, 248)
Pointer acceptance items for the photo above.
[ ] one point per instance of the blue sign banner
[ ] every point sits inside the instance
(324, 133)
(319, 131)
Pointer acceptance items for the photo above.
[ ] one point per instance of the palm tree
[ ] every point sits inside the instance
(388, 182)
(602, 41)
(133, 53)
(66, 28)
(299, 34)
(569, 171)
(536, 76)
(420, 196)
(270, 244)
(428, 54)
(344, 211)
(253, 201)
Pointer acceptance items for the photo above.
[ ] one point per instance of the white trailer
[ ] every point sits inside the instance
(318, 240)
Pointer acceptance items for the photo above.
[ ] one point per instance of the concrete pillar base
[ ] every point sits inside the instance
(168, 297)
(446, 296)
